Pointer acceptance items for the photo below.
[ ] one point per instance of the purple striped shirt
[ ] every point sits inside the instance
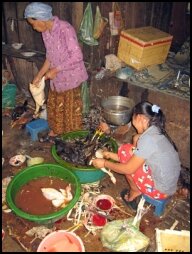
(64, 53)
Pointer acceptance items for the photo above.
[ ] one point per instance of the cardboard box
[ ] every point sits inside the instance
(142, 47)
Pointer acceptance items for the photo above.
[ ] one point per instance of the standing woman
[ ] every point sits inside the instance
(63, 65)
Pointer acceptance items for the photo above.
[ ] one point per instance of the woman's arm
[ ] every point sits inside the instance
(41, 72)
(111, 155)
(122, 168)
(44, 68)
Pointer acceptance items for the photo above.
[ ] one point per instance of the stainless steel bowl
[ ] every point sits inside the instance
(117, 109)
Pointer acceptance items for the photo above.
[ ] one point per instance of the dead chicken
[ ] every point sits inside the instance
(20, 122)
(38, 94)
(58, 198)
(39, 232)
(18, 111)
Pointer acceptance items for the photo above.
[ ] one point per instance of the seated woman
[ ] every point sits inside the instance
(151, 165)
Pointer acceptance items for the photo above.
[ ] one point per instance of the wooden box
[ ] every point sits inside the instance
(142, 47)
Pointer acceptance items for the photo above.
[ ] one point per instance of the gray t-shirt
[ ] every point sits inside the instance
(161, 157)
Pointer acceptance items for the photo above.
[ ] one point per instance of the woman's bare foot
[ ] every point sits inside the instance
(52, 134)
(132, 195)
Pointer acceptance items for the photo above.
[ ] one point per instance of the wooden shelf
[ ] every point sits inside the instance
(8, 50)
(22, 67)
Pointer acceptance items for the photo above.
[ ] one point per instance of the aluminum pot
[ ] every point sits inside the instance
(117, 109)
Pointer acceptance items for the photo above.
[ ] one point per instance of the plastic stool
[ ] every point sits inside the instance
(35, 127)
(159, 204)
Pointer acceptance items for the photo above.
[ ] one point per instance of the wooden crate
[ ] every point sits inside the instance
(145, 46)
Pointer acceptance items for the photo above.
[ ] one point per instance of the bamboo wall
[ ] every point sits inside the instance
(23, 32)
(16, 29)
(160, 15)
(135, 14)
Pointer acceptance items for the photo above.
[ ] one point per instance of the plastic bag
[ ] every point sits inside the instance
(8, 96)
(123, 236)
(99, 24)
(112, 62)
(85, 97)
(85, 33)
(115, 20)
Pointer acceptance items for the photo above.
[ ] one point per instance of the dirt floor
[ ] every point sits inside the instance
(17, 141)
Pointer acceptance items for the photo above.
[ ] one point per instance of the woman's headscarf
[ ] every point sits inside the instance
(39, 11)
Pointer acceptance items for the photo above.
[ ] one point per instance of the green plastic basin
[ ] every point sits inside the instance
(37, 171)
(85, 174)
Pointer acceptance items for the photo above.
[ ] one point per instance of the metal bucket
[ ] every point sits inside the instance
(117, 110)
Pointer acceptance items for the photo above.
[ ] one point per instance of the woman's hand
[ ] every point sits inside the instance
(51, 74)
(36, 80)
(98, 163)
(110, 155)
(104, 127)
(41, 73)
(107, 155)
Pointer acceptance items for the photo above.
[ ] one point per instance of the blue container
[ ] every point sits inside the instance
(36, 127)
(85, 174)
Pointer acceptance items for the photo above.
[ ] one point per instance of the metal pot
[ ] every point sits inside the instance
(117, 109)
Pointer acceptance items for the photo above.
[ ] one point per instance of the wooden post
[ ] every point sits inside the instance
(11, 22)
(77, 14)
(13, 69)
